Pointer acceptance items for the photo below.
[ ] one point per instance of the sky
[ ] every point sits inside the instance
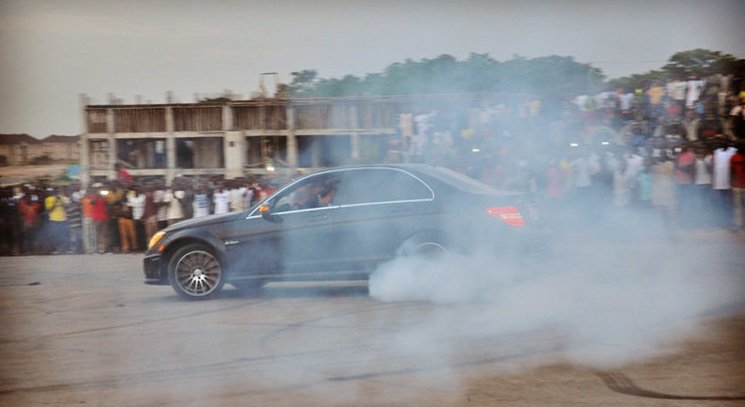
(53, 51)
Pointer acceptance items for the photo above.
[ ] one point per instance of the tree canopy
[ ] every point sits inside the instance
(551, 76)
(699, 63)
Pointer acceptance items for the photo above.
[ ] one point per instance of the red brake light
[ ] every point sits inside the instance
(509, 215)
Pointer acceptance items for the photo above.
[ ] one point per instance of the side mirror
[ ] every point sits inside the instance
(266, 213)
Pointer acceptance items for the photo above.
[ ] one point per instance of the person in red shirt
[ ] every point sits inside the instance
(89, 228)
(737, 179)
(30, 222)
(100, 216)
(122, 174)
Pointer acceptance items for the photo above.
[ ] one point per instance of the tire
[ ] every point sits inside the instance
(424, 247)
(195, 272)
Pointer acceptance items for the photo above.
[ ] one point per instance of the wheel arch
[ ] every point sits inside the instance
(426, 235)
(179, 242)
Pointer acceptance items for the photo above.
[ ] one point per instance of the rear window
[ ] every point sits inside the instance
(371, 185)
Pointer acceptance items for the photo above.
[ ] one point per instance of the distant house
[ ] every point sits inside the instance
(61, 148)
(22, 149)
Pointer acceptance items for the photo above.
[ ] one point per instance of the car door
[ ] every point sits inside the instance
(379, 208)
(297, 234)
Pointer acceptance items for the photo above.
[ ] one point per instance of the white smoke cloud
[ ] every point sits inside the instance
(600, 310)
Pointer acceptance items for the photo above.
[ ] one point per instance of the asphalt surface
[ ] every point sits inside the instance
(85, 330)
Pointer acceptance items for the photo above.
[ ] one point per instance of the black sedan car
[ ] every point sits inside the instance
(339, 224)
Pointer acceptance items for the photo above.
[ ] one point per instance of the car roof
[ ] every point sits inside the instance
(431, 173)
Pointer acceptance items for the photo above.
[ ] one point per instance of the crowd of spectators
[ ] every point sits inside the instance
(675, 146)
(117, 216)
(671, 145)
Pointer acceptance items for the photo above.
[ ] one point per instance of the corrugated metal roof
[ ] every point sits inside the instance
(18, 139)
(56, 138)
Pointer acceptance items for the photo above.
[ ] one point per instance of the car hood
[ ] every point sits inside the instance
(205, 220)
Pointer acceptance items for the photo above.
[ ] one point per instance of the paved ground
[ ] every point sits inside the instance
(84, 330)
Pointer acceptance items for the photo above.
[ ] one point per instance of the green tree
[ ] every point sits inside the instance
(303, 83)
(553, 75)
(700, 63)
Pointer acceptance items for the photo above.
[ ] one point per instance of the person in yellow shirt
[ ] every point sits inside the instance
(58, 233)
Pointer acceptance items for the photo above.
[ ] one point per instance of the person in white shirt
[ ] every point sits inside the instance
(158, 196)
(694, 92)
(721, 184)
(721, 177)
(201, 203)
(677, 90)
(237, 198)
(625, 168)
(221, 198)
(173, 198)
(136, 201)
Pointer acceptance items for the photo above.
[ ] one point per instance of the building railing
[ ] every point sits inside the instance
(139, 120)
(351, 113)
(197, 118)
(261, 116)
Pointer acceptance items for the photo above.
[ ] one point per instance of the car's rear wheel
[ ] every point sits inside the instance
(423, 247)
(195, 272)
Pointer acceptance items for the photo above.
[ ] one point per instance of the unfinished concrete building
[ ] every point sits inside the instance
(233, 138)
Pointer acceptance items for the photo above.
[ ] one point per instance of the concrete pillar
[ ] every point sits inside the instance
(234, 148)
(169, 119)
(170, 158)
(227, 118)
(84, 159)
(291, 140)
(170, 147)
(110, 125)
(111, 140)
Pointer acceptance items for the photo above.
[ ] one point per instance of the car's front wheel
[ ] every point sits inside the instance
(195, 272)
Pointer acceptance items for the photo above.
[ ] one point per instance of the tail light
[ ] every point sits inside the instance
(509, 215)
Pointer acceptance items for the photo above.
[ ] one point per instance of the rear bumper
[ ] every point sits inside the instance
(152, 266)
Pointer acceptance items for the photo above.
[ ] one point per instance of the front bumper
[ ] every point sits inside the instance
(153, 270)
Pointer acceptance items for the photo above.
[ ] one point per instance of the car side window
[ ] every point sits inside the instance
(314, 192)
(381, 185)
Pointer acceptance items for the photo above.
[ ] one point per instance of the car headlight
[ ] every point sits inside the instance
(157, 237)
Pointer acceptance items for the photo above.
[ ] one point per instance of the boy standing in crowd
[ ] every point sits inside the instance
(136, 201)
(100, 216)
